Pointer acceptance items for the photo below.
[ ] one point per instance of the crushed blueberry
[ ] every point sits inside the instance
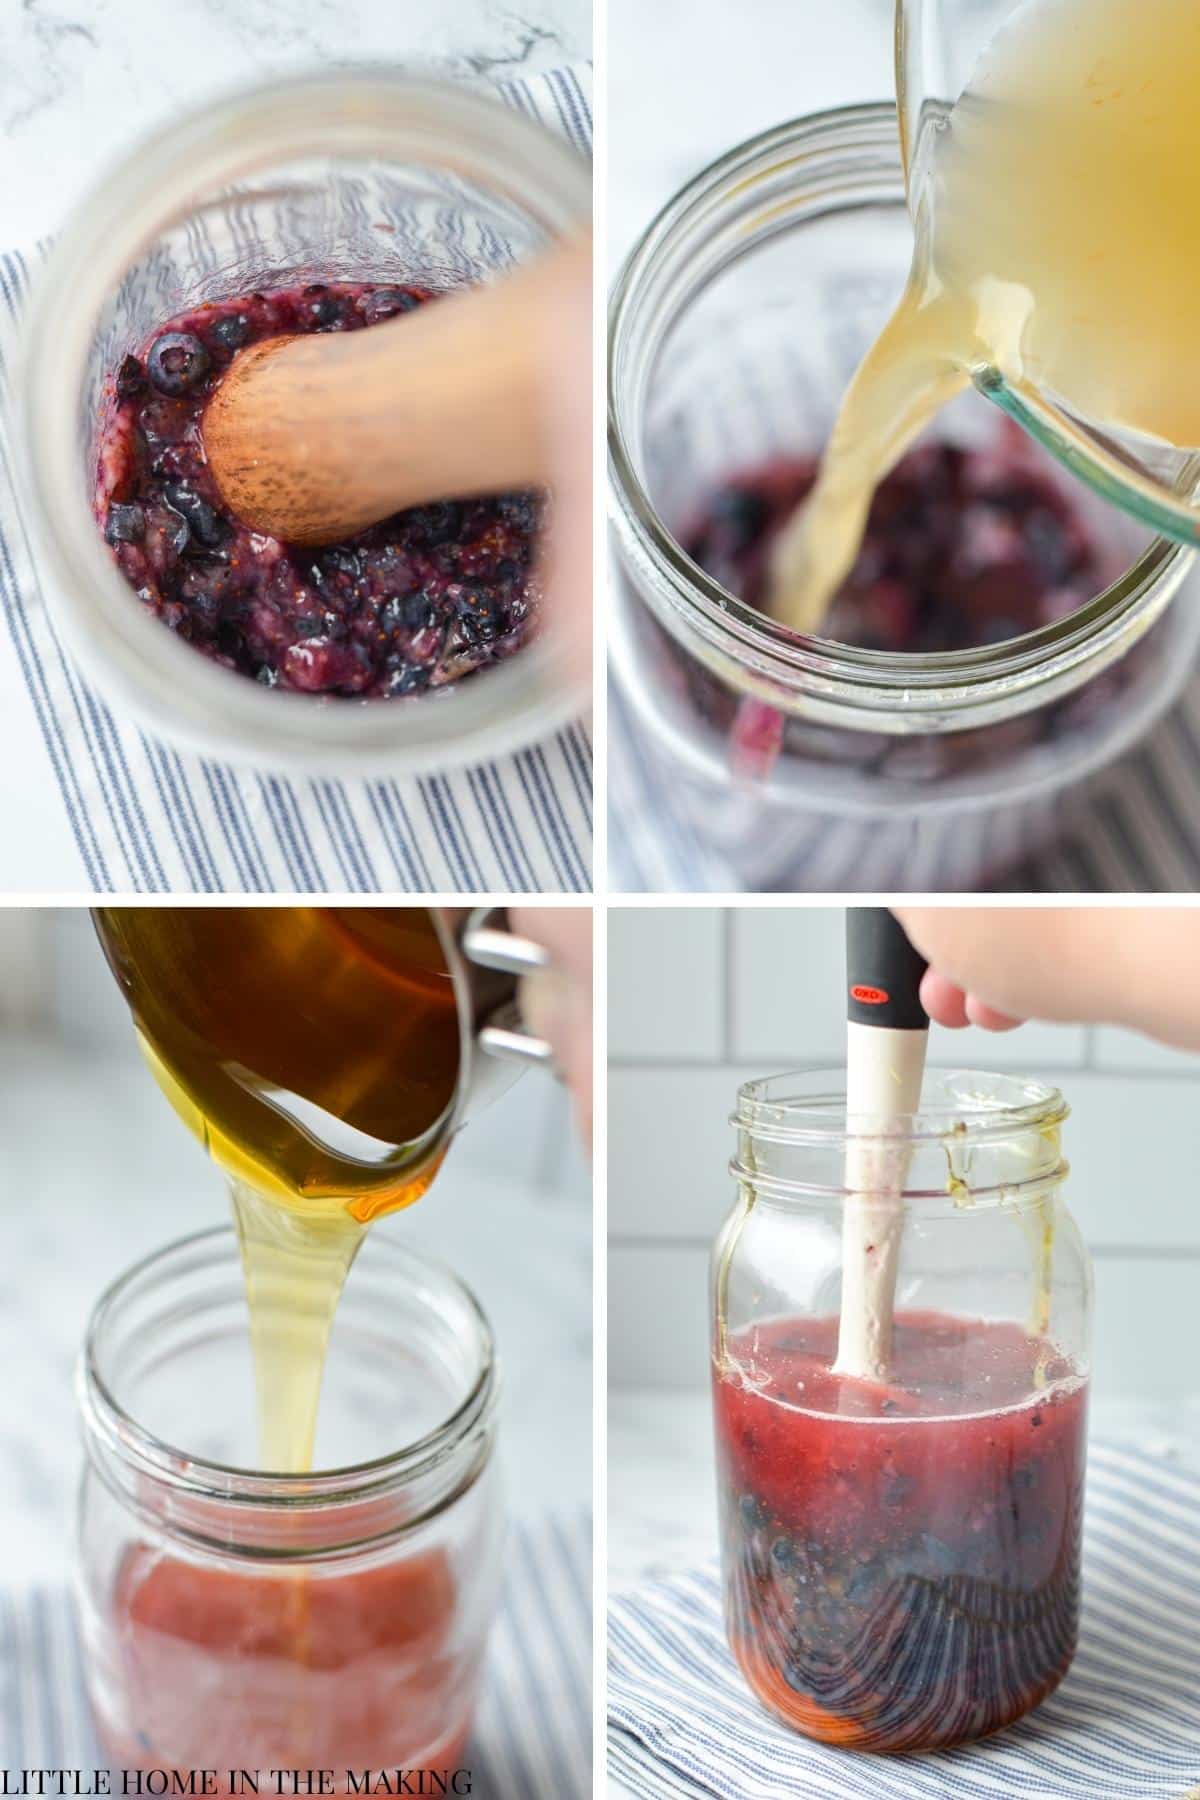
(131, 378)
(962, 549)
(208, 527)
(416, 602)
(126, 524)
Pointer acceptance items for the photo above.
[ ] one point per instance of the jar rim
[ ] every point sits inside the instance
(981, 1107)
(174, 1467)
(184, 164)
(876, 690)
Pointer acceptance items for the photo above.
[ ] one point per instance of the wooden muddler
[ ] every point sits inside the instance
(313, 438)
(887, 1034)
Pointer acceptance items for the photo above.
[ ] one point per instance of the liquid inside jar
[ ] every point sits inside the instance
(964, 548)
(228, 1669)
(418, 601)
(901, 1560)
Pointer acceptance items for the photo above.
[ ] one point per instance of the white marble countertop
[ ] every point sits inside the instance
(690, 78)
(95, 1171)
(83, 78)
(80, 80)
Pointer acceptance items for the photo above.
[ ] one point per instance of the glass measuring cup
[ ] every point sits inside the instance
(938, 45)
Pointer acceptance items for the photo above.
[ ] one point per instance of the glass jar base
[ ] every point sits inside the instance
(847, 1731)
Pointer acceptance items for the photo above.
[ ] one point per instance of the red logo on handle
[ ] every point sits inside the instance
(870, 996)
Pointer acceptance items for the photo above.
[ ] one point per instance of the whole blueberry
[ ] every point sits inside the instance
(177, 361)
(125, 524)
(320, 307)
(385, 303)
(231, 332)
(479, 616)
(436, 523)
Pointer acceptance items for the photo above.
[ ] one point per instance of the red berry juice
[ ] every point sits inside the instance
(218, 1667)
(901, 1561)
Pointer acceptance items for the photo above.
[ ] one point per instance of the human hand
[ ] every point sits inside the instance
(995, 966)
(556, 1002)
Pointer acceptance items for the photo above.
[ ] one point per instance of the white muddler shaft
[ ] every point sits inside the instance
(884, 1072)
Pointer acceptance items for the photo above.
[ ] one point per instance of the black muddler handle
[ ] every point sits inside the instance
(883, 972)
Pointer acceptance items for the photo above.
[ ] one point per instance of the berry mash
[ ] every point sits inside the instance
(416, 602)
(901, 1567)
(962, 548)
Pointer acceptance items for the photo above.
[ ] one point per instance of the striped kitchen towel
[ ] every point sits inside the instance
(147, 819)
(1134, 828)
(1124, 1725)
(533, 1729)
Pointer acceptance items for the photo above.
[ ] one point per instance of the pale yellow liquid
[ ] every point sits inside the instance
(1058, 243)
(295, 1268)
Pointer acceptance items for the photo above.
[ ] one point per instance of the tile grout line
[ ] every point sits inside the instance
(748, 1062)
(728, 928)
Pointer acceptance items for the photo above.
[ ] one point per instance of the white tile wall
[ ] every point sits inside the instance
(787, 1009)
(664, 1005)
(751, 991)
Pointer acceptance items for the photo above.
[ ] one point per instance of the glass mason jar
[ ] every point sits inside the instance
(734, 329)
(236, 1620)
(901, 1558)
(380, 176)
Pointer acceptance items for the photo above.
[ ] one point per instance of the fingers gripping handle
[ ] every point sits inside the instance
(488, 943)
